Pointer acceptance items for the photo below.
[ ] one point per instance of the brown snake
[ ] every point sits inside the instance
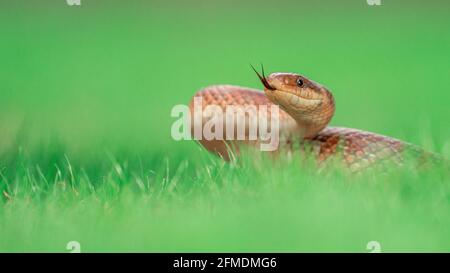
(306, 109)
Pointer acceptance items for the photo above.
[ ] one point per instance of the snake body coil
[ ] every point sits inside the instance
(306, 109)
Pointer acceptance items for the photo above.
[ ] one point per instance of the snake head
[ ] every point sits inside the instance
(296, 92)
(308, 102)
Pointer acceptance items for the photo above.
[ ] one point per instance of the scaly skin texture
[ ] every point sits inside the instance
(303, 123)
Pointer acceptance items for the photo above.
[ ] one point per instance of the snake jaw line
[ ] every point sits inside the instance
(300, 102)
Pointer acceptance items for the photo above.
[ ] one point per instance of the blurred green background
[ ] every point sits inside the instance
(83, 82)
(110, 71)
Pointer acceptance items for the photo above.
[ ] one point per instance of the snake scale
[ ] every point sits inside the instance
(306, 109)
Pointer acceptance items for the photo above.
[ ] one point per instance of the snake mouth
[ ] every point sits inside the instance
(289, 93)
(298, 101)
(263, 78)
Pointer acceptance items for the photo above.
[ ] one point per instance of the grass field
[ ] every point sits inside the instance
(86, 153)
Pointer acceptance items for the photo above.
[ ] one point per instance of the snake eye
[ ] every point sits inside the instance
(299, 82)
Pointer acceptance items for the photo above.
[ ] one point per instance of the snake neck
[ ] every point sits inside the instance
(311, 124)
(309, 129)
(311, 121)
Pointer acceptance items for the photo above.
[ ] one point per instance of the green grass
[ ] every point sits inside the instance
(85, 146)
(209, 205)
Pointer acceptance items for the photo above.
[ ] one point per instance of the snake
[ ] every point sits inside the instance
(306, 108)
